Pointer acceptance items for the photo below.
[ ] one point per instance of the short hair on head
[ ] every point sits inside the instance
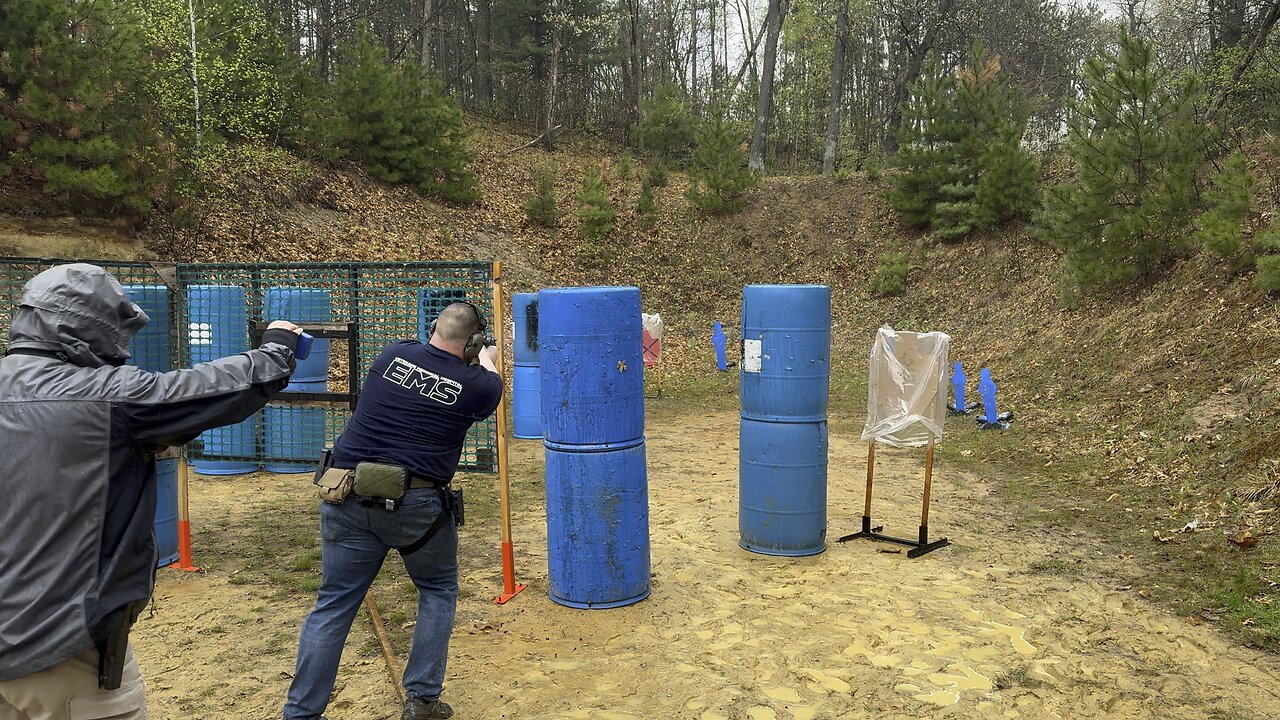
(457, 323)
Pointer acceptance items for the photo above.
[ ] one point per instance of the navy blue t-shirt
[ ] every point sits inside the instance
(415, 408)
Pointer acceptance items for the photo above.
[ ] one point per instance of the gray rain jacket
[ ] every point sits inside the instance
(78, 437)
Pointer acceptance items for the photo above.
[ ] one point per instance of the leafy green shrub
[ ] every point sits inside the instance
(595, 207)
(873, 165)
(1230, 200)
(891, 273)
(658, 174)
(1268, 265)
(540, 206)
(646, 204)
(719, 177)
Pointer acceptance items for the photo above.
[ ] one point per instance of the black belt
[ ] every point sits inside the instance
(418, 481)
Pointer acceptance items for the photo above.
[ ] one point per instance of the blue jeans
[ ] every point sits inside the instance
(356, 540)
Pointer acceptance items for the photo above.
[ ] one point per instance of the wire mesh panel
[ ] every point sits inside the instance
(152, 349)
(384, 302)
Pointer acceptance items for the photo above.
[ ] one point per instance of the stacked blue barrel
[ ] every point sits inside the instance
(218, 326)
(294, 436)
(152, 350)
(526, 383)
(784, 380)
(593, 425)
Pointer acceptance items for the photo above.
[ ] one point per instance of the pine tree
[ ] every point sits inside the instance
(668, 129)
(72, 121)
(1229, 200)
(1136, 143)
(540, 207)
(1268, 264)
(400, 126)
(647, 203)
(595, 207)
(719, 178)
(926, 148)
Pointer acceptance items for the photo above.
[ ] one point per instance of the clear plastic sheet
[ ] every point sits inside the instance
(906, 398)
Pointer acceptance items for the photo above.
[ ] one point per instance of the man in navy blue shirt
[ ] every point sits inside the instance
(415, 409)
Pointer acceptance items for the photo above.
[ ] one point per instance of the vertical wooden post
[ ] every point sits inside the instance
(871, 472)
(184, 517)
(509, 587)
(928, 485)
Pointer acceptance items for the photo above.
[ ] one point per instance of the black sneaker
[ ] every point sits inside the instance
(418, 709)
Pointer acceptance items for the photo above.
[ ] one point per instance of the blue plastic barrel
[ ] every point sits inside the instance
(786, 352)
(589, 349)
(526, 402)
(152, 348)
(166, 521)
(431, 302)
(524, 318)
(294, 433)
(218, 326)
(598, 527)
(302, 306)
(782, 499)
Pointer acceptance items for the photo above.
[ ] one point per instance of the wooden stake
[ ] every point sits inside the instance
(184, 518)
(509, 587)
(928, 483)
(871, 471)
(388, 653)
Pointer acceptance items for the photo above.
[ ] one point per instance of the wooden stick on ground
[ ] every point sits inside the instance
(532, 142)
(393, 663)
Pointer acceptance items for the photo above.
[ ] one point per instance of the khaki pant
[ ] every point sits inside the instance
(69, 691)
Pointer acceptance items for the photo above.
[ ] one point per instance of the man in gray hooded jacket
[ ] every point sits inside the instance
(78, 437)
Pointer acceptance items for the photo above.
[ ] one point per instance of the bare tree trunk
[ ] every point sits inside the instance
(915, 61)
(837, 89)
(195, 77)
(553, 77)
(484, 54)
(1268, 23)
(424, 52)
(764, 104)
(693, 52)
(632, 64)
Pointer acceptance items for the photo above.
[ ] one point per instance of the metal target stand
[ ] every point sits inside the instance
(918, 547)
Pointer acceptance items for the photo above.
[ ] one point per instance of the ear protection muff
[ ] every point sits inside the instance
(476, 342)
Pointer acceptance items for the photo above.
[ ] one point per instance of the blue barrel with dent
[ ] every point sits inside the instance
(598, 527)
(784, 383)
(526, 381)
(589, 348)
(218, 326)
(782, 487)
(294, 433)
(166, 520)
(785, 367)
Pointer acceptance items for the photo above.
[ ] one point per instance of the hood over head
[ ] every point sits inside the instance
(79, 311)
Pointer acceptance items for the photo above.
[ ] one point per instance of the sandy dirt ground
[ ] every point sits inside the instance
(971, 631)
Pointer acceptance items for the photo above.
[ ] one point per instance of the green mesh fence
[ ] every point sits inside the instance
(202, 312)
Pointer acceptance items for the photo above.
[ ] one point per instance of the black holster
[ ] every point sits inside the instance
(112, 650)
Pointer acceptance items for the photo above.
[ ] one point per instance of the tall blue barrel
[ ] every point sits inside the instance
(166, 521)
(786, 352)
(218, 326)
(294, 433)
(589, 347)
(783, 487)
(526, 402)
(431, 302)
(302, 306)
(524, 319)
(784, 382)
(152, 349)
(526, 382)
(598, 527)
